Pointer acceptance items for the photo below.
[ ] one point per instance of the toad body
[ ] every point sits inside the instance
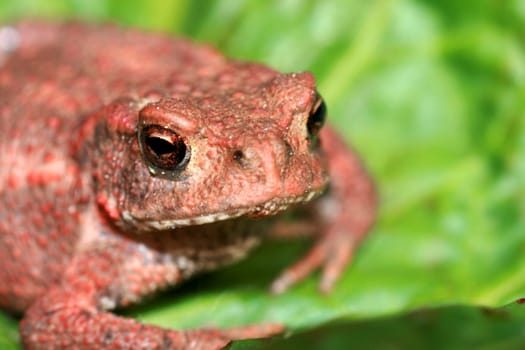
(132, 161)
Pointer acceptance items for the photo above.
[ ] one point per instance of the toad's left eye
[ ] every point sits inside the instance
(164, 148)
(316, 119)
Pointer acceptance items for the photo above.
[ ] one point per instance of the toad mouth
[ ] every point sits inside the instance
(266, 209)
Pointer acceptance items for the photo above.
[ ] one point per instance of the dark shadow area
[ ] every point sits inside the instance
(256, 271)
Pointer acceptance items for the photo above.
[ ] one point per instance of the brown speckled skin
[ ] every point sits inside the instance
(88, 224)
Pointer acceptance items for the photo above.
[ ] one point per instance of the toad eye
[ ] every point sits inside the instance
(163, 148)
(316, 119)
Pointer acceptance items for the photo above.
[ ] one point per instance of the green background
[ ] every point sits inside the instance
(431, 93)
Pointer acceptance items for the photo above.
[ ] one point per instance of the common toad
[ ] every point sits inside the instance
(132, 161)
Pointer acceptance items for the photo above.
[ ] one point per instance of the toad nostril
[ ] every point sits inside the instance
(238, 155)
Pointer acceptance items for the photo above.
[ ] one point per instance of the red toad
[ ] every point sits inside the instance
(132, 161)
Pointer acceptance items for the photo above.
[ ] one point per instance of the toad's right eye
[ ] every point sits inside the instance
(316, 119)
(163, 148)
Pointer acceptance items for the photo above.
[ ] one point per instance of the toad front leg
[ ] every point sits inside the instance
(343, 217)
(74, 315)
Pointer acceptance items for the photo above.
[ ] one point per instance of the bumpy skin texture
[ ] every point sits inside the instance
(132, 161)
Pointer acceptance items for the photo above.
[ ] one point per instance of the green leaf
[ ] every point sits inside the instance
(8, 333)
(452, 327)
(432, 95)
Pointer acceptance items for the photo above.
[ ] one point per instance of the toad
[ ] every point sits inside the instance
(132, 161)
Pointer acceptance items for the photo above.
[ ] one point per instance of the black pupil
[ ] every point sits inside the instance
(164, 148)
(316, 120)
(160, 146)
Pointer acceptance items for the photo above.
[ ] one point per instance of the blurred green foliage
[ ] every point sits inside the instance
(431, 93)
